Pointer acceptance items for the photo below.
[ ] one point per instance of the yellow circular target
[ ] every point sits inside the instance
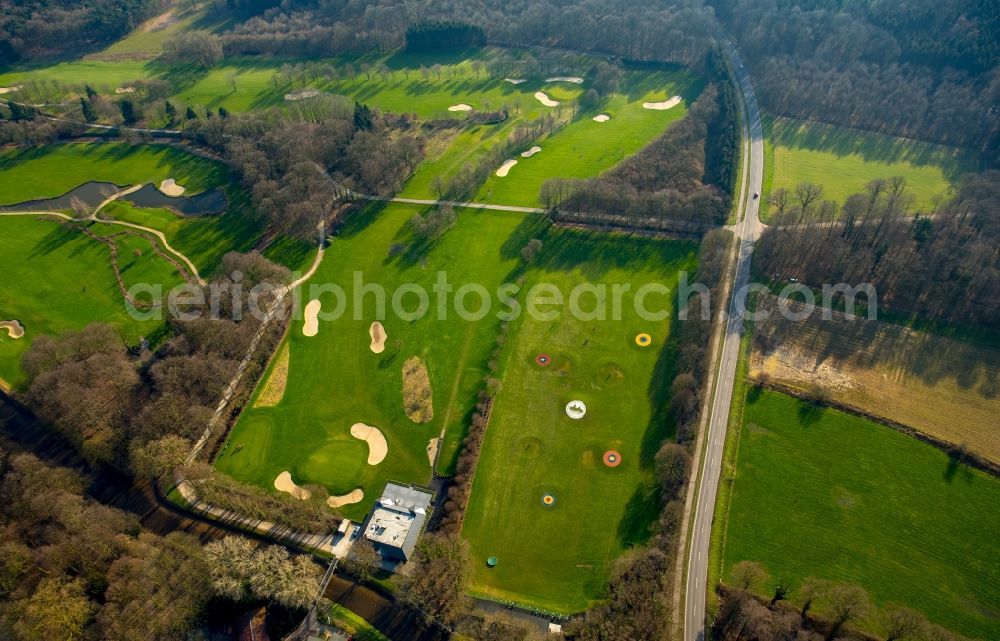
(643, 340)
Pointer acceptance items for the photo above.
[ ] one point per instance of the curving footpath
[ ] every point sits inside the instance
(706, 483)
(110, 221)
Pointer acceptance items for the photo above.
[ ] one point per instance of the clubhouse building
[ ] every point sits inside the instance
(397, 520)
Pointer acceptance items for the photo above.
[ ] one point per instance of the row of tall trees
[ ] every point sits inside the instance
(822, 611)
(942, 267)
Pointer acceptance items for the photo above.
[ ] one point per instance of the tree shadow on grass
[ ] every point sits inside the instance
(873, 147)
(641, 512)
(957, 466)
(661, 422)
(529, 227)
(810, 413)
(60, 236)
(362, 219)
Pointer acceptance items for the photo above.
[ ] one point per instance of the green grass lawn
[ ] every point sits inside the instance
(56, 169)
(843, 160)
(825, 494)
(585, 148)
(335, 380)
(53, 170)
(558, 558)
(58, 280)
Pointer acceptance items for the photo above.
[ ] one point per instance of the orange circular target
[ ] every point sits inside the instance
(548, 500)
(612, 458)
(543, 360)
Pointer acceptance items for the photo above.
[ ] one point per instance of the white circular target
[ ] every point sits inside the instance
(576, 409)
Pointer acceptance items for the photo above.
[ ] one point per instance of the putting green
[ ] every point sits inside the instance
(334, 379)
(533, 448)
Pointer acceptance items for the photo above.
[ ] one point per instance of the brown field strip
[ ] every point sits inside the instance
(946, 389)
(274, 389)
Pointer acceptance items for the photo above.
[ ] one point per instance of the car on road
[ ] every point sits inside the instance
(756, 195)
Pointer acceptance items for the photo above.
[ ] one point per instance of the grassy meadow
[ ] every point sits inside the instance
(821, 493)
(57, 280)
(53, 170)
(843, 160)
(533, 448)
(334, 380)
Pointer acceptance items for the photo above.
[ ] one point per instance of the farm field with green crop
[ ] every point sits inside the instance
(821, 493)
(533, 448)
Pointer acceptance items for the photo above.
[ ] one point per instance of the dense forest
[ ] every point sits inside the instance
(77, 570)
(944, 267)
(635, 29)
(926, 69)
(51, 27)
(296, 164)
(442, 36)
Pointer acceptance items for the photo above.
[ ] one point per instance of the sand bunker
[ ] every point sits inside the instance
(121, 90)
(14, 328)
(666, 104)
(12, 89)
(505, 168)
(378, 335)
(284, 483)
(171, 188)
(418, 398)
(301, 94)
(543, 98)
(460, 107)
(274, 388)
(377, 447)
(602, 117)
(514, 81)
(311, 326)
(531, 152)
(576, 80)
(354, 496)
(432, 450)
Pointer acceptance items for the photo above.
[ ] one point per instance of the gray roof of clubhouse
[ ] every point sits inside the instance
(397, 519)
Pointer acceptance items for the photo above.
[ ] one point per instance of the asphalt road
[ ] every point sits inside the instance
(747, 230)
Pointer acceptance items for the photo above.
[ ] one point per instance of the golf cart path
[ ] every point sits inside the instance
(458, 203)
